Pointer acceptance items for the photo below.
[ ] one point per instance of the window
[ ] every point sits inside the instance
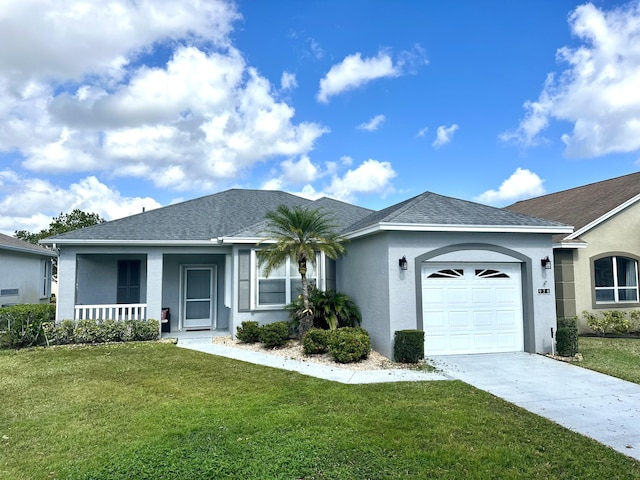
(128, 281)
(282, 285)
(616, 279)
(45, 286)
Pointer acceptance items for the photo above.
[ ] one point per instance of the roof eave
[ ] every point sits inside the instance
(42, 253)
(412, 227)
(128, 242)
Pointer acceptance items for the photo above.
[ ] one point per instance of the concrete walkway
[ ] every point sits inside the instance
(336, 374)
(604, 408)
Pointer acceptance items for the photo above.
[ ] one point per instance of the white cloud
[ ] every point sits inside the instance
(373, 124)
(597, 92)
(520, 185)
(288, 81)
(422, 132)
(370, 177)
(302, 171)
(27, 195)
(444, 135)
(353, 72)
(68, 39)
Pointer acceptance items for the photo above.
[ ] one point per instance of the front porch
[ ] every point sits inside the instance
(185, 292)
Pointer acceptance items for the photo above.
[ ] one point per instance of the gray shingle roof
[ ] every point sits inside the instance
(342, 215)
(437, 210)
(204, 218)
(12, 243)
(240, 214)
(582, 205)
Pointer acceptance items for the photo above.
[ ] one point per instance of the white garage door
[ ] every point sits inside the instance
(472, 308)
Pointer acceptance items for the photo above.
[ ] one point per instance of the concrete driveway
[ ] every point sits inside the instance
(599, 406)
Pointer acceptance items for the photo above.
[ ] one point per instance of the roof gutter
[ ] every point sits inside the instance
(410, 227)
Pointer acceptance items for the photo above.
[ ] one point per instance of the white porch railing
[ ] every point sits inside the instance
(120, 311)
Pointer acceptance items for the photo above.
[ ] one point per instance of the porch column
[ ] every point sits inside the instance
(154, 284)
(66, 298)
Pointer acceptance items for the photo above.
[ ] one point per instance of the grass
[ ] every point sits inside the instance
(154, 411)
(618, 357)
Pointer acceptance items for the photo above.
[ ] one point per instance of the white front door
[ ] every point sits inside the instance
(198, 299)
(472, 308)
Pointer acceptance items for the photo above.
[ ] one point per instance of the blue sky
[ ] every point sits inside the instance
(112, 107)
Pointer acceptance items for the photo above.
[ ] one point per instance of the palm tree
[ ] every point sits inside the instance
(298, 234)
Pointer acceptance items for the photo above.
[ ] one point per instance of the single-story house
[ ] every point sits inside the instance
(25, 272)
(471, 276)
(596, 266)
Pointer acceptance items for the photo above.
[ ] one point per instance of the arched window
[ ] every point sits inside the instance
(616, 279)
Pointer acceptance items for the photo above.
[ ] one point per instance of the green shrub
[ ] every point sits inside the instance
(274, 334)
(87, 331)
(330, 309)
(617, 321)
(349, 344)
(59, 334)
(596, 322)
(610, 321)
(114, 331)
(248, 332)
(21, 325)
(567, 337)
(316, 341)
(143, 330)
(408, 346)
(634, 316)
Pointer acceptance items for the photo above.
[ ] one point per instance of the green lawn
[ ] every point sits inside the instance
(155, 411)
(618, 357)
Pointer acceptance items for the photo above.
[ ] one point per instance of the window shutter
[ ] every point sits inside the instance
(244, 280)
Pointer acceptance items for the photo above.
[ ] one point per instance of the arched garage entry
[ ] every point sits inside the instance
(480, 304)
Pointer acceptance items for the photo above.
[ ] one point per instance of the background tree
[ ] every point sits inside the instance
(65, 222)
(298, 234)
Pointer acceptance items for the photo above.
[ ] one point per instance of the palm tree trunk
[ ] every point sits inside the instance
(306, 320)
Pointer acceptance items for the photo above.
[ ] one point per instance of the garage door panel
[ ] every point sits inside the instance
(459, 319)
(460, 343)
(481, 319)
(507, 341)
(481, 296)
(506, 318)
(476, 309)
(457, 296)
(433, 296)
(506, 296)
(483, 342)
(434, 320)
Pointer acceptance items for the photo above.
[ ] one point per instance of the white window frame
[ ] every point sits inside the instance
(616, 288)
(319, 278)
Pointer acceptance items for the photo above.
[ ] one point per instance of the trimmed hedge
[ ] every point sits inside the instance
(274, 334)
(21, 325)
(316, 341)
(408, 346)
(349, 344)
(248, 332)
(567, 337)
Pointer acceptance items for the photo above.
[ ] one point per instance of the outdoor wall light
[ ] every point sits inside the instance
(546, 263)
(403, 263)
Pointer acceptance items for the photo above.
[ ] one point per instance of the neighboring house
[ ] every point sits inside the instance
(596, 266)
(25, 272)
(472, 278)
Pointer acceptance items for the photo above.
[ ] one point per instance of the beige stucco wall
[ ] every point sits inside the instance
(618, 235)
